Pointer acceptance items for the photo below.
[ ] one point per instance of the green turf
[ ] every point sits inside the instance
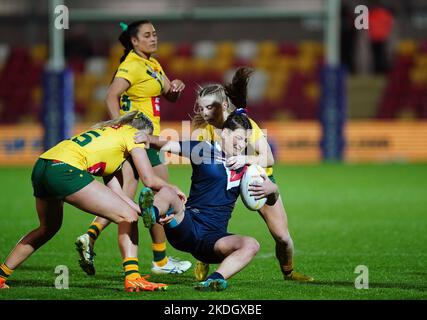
(340, 216)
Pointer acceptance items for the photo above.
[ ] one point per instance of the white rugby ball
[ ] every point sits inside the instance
(252, 175)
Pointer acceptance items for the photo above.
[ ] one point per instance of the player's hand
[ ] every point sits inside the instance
(180, 194)
(236, 162)
(142, 137)
(166, 219)
(177, 85)
(263, 190)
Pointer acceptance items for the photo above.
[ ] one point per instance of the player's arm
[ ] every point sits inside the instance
(172, 89)
(117, 87)
(145, 170)
(268, 189)
(147, 175)
(181, 148)
(157, 143)
(262, 156)
(113, 183)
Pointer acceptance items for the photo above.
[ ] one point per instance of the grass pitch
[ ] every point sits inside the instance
(340, 216)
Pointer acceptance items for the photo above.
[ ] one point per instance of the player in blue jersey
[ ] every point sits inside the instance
(200, 227)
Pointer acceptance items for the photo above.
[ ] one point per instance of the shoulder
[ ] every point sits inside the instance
(254, 124)
(129, 65)
(126, 129)
(256, 130)
(155, 62)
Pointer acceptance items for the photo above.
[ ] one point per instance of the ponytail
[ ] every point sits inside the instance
(129, 31)
(234, 93)
(237, 90)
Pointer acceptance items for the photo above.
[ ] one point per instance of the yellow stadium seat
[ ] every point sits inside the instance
(312, 48)
(418, 76)
(180, 65)
(267, 49)
(305, 64)
(95, 112)
(312, 91)
(279, 77)
(274, 93)
(165, 50)
(421, 61)
(225, 49)
(406, 48)
(220, 65)
(36, 94)
(285, 64)
(200, 65)
(116, 50)
(39, 53)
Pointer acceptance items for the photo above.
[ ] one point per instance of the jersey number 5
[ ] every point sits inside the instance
(85, 138)
(126, 103)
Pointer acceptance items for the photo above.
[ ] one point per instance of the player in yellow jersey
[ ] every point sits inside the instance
(64, 174)
(137, 85)
(214, 104)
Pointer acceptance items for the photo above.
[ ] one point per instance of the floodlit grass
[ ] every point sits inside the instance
(340, 216)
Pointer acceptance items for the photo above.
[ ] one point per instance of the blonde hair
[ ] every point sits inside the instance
(234, 93)
(135, 119)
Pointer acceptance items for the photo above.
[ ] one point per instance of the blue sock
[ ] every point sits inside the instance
(172, 224)
(170, 211)
(215, 275)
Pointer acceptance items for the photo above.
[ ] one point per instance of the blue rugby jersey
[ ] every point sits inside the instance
(214, 188)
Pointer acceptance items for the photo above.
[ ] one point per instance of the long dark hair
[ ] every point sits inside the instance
(125, 38)
(237, 90)
(235, 93)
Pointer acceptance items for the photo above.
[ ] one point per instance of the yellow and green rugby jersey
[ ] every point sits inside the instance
(147, 79)
(209, 133)
(100, 152)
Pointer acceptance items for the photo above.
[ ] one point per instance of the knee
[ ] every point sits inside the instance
(283, 238)
(251, 246)
(48, 231)
(167, 194)
(129, 216)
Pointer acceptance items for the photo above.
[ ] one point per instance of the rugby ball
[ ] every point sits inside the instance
(252, 175)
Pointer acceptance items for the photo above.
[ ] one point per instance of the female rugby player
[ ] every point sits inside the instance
(201, 227)
(213, 105)
(137, 85)
(64, 174)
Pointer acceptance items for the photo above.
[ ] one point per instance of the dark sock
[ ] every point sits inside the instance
(215, 276)
(287, 270)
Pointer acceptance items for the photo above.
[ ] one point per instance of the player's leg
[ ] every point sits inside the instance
(201, 270)
(163, 203)
(100, 200)
(163, 264)
(50, 212)
(237, 251)
(277, 222)
(85, 243)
